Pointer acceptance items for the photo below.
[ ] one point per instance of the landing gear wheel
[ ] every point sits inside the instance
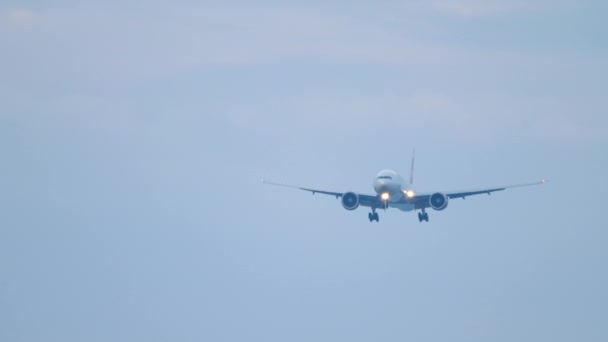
(423, 216)
(373, 217)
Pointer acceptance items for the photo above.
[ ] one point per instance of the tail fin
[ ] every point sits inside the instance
(412, 168)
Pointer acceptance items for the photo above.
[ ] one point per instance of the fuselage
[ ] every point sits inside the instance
(392, 188)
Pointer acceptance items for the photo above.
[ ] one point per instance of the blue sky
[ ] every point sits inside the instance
(133, 139)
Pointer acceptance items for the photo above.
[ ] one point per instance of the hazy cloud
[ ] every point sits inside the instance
(107, 44)
(475, 7)
(18, 17)
(81, 51)
(480, 8)
(431, 115)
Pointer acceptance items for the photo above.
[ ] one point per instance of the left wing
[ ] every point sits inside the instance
(422, 201)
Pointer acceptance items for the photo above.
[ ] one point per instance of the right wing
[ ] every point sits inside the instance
(364, 200)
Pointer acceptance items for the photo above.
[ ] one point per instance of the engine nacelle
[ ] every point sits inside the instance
(350, 201)
(438, 201)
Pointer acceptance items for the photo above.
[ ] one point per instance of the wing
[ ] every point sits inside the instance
(422, 201)
(364, 200)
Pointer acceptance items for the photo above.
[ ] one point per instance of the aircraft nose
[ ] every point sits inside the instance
(379, 185)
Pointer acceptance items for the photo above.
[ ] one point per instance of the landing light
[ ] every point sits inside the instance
(385, 196)
(410, 194)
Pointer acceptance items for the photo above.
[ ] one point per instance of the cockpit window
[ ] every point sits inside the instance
(385, 177)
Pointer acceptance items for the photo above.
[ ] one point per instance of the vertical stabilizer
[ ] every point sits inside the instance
(412, 168)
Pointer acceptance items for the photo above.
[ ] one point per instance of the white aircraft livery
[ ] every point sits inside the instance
(392, 191)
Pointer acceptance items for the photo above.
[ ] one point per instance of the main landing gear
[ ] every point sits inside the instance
(423, 216)
(373, 216)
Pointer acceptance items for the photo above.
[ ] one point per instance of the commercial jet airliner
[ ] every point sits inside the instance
(392, 191)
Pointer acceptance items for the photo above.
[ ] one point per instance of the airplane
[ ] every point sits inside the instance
(392, 191)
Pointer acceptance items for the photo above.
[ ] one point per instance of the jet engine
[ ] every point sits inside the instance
(438, 201)
(350, 201)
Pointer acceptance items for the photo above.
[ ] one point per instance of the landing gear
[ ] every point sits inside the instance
(423, 216)
(373, 216)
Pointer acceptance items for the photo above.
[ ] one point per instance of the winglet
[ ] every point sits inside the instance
(265, 181)
(540, 182)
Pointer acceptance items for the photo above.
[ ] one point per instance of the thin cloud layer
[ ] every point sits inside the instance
(484, 8)
(81, 51)
(474, 7)
(427, 115)
(163, 43)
